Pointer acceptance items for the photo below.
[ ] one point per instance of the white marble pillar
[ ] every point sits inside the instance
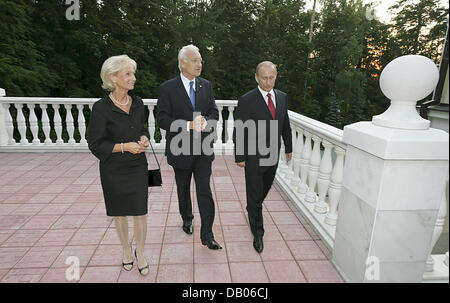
(394, 173)
(3, 110)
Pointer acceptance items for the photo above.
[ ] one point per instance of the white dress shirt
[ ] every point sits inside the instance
(272, 95)
(187, 87)
(186, 82)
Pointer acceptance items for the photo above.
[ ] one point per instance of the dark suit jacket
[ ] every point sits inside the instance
(252, 106)
(109, 125)
(174, 104)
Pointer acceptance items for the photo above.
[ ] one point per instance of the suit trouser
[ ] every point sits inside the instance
(257, 183)
(201, 170)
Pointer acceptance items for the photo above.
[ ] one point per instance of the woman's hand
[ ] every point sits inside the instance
(144, 142)
(133, 147)
(241, 164)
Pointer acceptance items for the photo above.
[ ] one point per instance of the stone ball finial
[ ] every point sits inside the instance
(2, 92)
(406, 80)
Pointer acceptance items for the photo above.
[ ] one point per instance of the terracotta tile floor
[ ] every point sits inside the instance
(53, 224)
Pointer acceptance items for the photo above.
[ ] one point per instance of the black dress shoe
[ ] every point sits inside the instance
(212, 244)
(187, 227)
(258, 244)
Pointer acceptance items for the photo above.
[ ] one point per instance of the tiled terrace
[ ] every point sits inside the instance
(51, 207)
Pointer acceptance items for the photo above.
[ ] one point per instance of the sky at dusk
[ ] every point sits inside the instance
(380, 8)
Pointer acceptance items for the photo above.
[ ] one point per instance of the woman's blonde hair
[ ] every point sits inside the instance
(111, 66)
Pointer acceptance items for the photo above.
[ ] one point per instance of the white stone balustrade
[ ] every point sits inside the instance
(311, 165)
(74, 107)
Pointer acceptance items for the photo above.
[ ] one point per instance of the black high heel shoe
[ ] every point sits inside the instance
(131, 263)
(143, 268)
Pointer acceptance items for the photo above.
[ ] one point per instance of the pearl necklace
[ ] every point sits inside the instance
(115, 101)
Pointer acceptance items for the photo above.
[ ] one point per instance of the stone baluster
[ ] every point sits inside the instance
(229, 147)
(21, 124)
(304, 163)
(290, 166)
(438, 228)
(335, 189)
(151, 123)
(313, 173)
(446, 259)
(58, 125)
(163, 137)
(3, 113)
(218, 144)
(34, 124)
(282, 167)
(46, 124)
(323, 181)
(296, 157)
(9, 125)
(81, 124)
(69, 123)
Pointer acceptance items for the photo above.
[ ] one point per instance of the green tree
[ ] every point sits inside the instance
(284, 25)
(339, 47)
(334, 116)
(419, 27)
(232, 49)
(23, 70)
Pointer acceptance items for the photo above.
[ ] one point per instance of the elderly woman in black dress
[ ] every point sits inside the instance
(117, 136)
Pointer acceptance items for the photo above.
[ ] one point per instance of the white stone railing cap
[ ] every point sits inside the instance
(405, 81)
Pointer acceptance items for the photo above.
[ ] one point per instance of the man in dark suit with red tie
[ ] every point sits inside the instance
(261, 120)
(186, 109)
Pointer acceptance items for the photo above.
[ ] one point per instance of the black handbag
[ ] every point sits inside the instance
(154, 175)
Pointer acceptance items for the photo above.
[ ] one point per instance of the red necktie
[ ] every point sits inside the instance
(271, 106)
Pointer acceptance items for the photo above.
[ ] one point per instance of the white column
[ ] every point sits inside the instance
(229, 147)
(313, 173)
(290, 171)
(296, 157)
(58, 125)
(151, 123)
(439, 227)
(46, 125)
(69, 123)
(282, 167)
(9, 125)
(324, 178)
(304, 163)
(394, 173)
(163, 137)
(335, 189)
(4, 108)
(34, 124)
(21, 125)
(218, 144)
(81, 124)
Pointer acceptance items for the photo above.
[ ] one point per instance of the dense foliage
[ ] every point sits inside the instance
(330, 73)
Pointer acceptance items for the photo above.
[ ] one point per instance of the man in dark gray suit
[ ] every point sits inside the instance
(186, 109)
(264, 112)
